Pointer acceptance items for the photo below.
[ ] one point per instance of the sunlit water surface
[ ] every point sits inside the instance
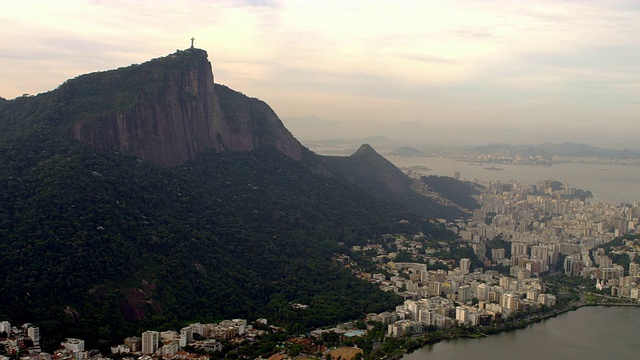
(589, 333)
(609, 183)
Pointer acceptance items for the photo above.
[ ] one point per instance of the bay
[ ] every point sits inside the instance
(609, 183)
(588, 333)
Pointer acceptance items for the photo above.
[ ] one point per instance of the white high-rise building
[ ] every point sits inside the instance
(518, 248)
(482, 292)
(150, 341)
(461, 314)
(6, 327)
(33, 332)
(497, 254)
(413, 307)
(509, 301)
(568, 265)
(187, 333)
(197, 328)
(426, 317)
(465, 265)
(181, 340)
(242, 325)
(464, 293)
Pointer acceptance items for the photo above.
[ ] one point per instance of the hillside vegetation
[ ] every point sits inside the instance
(460, 192)
(375, 174)
(102, 245)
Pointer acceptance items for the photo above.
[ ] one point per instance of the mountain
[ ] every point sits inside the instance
(406, 151)
(345, 147)
(372, 172)
(369, 170)
(459, 192)
(148, 196)
(167, 111)
(564, 149)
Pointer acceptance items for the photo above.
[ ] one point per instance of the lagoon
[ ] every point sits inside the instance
(588, 333)
(609, 183)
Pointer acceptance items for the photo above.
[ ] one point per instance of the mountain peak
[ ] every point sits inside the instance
(168, 111)
(370, 170)
(365, 149)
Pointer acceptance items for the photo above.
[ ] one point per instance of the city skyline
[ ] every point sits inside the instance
(457, 72)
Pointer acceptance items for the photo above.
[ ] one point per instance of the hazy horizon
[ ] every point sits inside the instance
(442, 72)
(314, 129)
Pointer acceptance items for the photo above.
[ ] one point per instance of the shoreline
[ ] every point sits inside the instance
(509, 326)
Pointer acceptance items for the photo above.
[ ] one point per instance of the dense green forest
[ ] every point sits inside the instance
(103, 245)
(375, 174)
(460, 192)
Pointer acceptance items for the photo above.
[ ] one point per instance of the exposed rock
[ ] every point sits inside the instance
(178, 112)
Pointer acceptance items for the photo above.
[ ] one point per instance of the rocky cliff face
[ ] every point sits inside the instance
(174, 112)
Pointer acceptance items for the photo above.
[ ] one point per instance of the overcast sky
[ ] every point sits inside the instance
(454, 71)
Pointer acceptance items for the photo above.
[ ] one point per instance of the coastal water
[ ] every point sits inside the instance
(588, 333)
(609, 183)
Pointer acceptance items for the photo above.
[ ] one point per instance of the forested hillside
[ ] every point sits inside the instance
(98, 243)
(459, 192)
(102, 245)
(372, 172)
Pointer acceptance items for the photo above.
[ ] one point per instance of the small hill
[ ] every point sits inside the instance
(372, 172)
(406, 151)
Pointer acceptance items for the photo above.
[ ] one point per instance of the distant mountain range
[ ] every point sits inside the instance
(391, 147)
(406, 151)
(564, 149)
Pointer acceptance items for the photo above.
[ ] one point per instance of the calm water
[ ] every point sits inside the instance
(588, 333)
(608, 183)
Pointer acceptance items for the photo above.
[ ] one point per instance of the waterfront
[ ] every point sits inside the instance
(609, 183)
(587, 333)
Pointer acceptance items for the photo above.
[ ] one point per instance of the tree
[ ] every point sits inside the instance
(295, 349)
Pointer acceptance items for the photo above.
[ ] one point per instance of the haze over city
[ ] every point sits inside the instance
(455, 72)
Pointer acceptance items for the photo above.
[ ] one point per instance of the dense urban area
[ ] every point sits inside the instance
(529, 252)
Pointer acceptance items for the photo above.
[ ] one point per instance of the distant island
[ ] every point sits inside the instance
(406, 151)
(546, 154)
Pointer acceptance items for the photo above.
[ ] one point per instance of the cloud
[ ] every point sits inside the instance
(466, 62)
(430, 59)
(476, 33)
(260, 3)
